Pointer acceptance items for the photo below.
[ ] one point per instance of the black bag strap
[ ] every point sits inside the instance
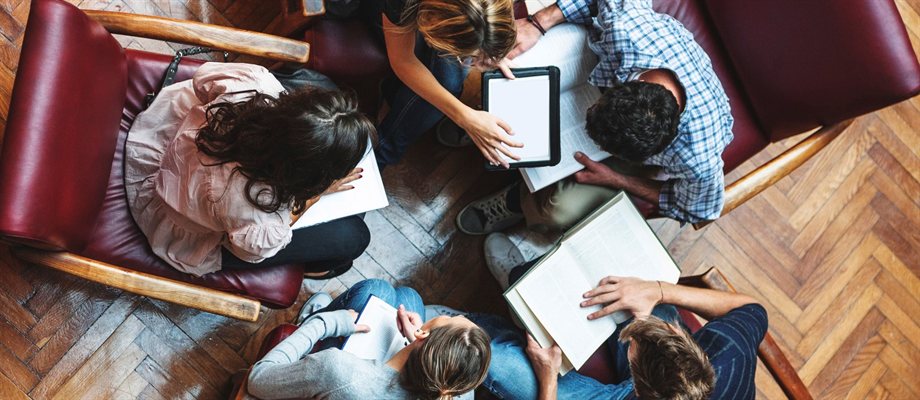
(169, 76)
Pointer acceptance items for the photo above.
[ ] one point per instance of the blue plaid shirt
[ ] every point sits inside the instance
(629, 38)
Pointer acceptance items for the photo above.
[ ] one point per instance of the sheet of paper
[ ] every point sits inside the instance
(553, 293)
(367, 195)
(384, 340)
(524, 103)
(573, 106)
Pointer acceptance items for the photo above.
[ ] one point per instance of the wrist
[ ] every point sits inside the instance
(549, 17)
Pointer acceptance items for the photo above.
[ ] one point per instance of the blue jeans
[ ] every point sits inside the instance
(511, 375)
(411, 116)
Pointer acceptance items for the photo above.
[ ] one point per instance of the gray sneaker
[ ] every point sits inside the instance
(489, 214)
(316, 302)
(501, 257)
(450, 135)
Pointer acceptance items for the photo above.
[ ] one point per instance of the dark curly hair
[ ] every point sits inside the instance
(297, 144)
(634, 120)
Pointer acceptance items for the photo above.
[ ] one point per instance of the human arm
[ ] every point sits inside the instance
(527, 33)
(546, 364)
(490, 134)
(596, 173)
(283, 372)
(639, 296)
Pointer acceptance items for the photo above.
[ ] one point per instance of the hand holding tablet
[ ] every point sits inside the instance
(530, 105)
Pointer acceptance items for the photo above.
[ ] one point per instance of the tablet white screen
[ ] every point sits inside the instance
(524, 104)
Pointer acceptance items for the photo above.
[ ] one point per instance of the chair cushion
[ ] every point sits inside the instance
(749, 137)
(116, 238)
(810, 63)
(60, 134)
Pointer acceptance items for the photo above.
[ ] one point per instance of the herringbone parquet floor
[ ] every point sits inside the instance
(833, 251)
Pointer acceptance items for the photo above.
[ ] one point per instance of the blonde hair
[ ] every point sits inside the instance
(667, 362)
(483, 29)
(451, 361)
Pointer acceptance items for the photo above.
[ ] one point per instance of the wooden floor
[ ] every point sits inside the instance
(833, 251)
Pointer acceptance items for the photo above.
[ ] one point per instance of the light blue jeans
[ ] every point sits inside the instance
(511, 375)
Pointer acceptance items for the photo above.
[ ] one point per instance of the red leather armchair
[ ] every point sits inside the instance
(787, 66)
(62, 200)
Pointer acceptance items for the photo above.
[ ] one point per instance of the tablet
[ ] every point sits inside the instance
(530, 105)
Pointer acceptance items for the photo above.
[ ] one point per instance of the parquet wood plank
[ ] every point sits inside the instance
(17, 372)
(867, 381)
(100, 375)
(894, 385)
(61, 335)
(18, 316)
(9, 390)
(754, 240)
(900, 118)
(16, 341)
(822, 315)
(901, 319)
(92, 339)
(900, 345)
(895, 172)
(842, 196)
(849, 348)
(854, 266)
(161, 384)
(857, 367)
(861, 317)
(131, 387)
(202, 328)
(908, 279)
(897, 148)
(179, 371)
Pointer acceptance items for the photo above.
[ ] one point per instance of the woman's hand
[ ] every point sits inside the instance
(505, 65)
(408, 322)
(359, 328)
(343, 184)
(546, 364)
(490, 134)
(631, 294)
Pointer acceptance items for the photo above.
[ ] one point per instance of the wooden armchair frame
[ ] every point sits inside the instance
(764, 176)
(769, 352)
(186, 294)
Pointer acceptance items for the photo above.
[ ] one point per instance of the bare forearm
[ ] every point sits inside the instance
(548, 388)
(549, 16)
(646, 189)
(707, 303)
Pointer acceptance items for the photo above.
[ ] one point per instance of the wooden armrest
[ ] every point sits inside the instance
(202, 298)
(196, 33)
(768, 351)
(766, 175)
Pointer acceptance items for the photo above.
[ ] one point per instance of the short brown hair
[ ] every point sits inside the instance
(451, 361)
(482, 29)
(667, 362)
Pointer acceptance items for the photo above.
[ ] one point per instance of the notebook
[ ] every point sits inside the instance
(566, 47)
(384, 340)
(530, 105)
(614, 240)
(368, 195)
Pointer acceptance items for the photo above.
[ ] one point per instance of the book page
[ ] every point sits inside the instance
(566, 47)
(384, 340)
(573, 137)
(617, 241)
(553, 291)
(367, 195)
(524, 103)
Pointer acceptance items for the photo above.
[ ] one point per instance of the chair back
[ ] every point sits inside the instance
(805, 64)
(62, 128)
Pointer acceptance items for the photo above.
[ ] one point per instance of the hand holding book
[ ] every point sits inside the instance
(615, 293)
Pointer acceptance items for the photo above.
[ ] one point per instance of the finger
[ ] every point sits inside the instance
(602, 288)
(506, 71)
(503, 150)
(342, 188)
(516, 51)
(506, 128)
(609, 280)
(354, 315)
(361, 328)
(532, 343)
(610, 309)
(602, 299)
(415, 318)
(583, 159)
(350, 178)
(484, 149)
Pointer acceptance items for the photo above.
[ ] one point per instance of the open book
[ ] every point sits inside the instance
(566, 47)
(384, 340)
(614, 240)
(367, 195)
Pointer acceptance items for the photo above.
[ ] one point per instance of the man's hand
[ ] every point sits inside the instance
(596, 173)
(546, 364)
(505, 66)
(408, 322)
(527, 37)
(344, 184)
(359, 328)
(631, 294)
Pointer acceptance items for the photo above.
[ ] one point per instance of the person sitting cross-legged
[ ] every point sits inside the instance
(654, 355)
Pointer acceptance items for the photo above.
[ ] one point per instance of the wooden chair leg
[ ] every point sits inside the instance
(205, 299)
(769, 352)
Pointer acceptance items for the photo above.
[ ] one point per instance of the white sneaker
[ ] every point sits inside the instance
(316, 302)
(433, 311)
(501, 257)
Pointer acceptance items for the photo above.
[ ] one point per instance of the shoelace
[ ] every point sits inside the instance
(495, 209)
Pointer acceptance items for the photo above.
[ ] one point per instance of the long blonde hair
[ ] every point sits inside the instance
(453, 360)
(482, 29)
